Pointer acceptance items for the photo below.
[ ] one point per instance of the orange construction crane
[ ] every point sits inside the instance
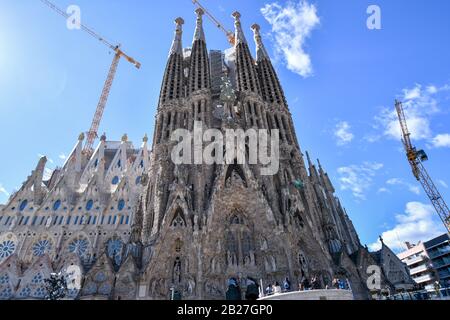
(416, 159)
(92, 133)
(229, 34)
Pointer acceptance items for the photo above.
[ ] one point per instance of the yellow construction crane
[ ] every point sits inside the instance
(416, 159)
(92, 133)
(229, 34)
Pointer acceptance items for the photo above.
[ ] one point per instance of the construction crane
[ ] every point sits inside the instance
(92, 133)
(416, 159)
(229, 34)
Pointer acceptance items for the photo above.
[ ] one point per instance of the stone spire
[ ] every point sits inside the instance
(199, 73)
(270, 85)
(239, 34)
(177, 47)
(312, 169)
(172, 86)
(246, 74)
(199, 33)
(261, 52)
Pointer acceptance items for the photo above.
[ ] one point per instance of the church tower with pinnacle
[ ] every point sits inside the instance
(202, 224)
(128, 223)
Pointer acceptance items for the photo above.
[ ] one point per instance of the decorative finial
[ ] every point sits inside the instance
(125, 138)
(81, 137)
(179, 21)
(145, 139)
(381, 240)
(103, 137)
(176, 44)
(261, 52)
(199, 12)
(199, 33)
(236, 15)
(239, 35)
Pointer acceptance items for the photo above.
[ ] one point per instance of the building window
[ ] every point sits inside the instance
(109, 220)
(41, 247)
(115, 180)
(127, 220)
(26, 221)
(121, 205)
(7, 248)
(121, 219)
(56, 205)
(23, 205)
(34, 221)
(89, 205)
(68, 220)
(76, 220)
(114, 220)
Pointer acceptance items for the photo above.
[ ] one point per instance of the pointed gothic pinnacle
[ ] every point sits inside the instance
(261, 52)
(81, 137)
(125, 138)
(145, 139)
(176, 44)
(199, 33)
(103, 137)
(240, 37)
(309, 159)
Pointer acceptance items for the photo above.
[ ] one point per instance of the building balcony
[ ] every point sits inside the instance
(425, 278)
(414, 260)
(421, 268)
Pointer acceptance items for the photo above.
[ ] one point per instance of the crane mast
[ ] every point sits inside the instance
(229, 34)
(93, 131)
(416, 159)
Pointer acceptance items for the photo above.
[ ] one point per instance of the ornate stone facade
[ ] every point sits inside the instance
(141, 227)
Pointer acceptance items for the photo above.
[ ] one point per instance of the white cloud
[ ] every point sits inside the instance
(3, 191)
(418, 223)
(358, 178)
(384, 190)
(441, 141)
(443, 183)
(292, 24)
(62, 156)
(343, 134)
(399, 182)
(421, 105)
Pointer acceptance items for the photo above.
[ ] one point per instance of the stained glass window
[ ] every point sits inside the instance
(89, 205)
(4, 279)
(79, 246)
(38, 278)
(41, 247)
(25, 292)
(23, 205)
(115, 180)
(56, 205)
(6, 293)
(121, 205)
(7, 248)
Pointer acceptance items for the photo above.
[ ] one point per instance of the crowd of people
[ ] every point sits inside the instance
(253, 288)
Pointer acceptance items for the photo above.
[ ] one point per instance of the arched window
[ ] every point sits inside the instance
(121, 204)
(115, 180)
(56, 205)
(23, 205)
(89, 205)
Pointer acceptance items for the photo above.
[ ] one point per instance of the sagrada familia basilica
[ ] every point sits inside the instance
(137, 226)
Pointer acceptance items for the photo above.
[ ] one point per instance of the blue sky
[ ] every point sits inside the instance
(341, 102)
